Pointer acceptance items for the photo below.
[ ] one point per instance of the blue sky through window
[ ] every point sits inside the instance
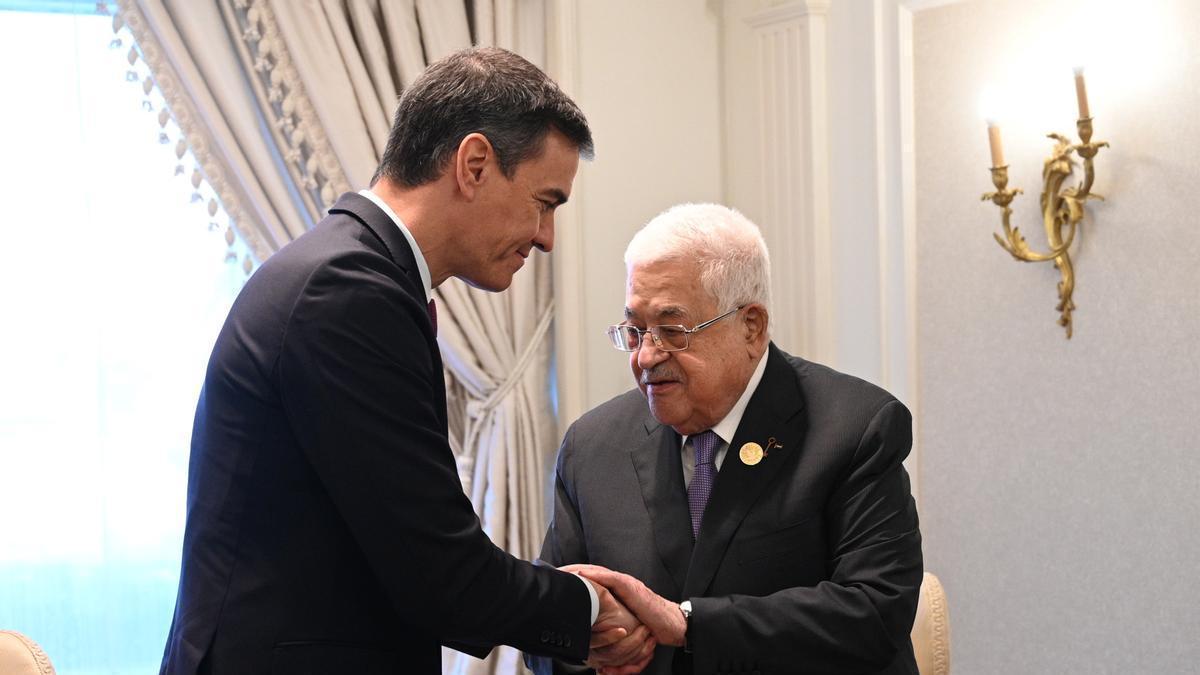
(113, 285)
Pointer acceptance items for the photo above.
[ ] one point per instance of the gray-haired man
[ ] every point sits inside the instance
(749, 506)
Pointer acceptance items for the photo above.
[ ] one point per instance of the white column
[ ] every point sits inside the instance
(794, 187)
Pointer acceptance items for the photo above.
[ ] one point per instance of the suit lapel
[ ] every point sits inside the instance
(775, 411)
(660, 473)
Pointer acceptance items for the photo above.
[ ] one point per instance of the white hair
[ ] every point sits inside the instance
(735, 268)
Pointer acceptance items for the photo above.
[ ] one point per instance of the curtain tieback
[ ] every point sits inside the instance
(478, 408)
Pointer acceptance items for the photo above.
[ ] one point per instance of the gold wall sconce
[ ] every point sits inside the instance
(1062, 208)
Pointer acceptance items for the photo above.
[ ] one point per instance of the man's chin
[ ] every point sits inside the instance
(664, 412)
(490, 284)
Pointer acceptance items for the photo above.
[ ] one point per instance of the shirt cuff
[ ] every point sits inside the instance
(595, 599)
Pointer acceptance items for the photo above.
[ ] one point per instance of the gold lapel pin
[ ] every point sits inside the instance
(751, 454)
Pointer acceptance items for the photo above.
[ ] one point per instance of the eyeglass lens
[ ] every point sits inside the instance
(628, 338)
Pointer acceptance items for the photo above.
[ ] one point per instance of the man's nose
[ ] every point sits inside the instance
(648, 353)
(544, 239)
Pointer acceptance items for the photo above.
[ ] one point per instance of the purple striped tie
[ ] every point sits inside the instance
(705, 444)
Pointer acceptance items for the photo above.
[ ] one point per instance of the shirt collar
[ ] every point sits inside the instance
(422, 267)
(727, 427)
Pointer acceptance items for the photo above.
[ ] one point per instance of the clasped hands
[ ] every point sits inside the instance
(633, 619)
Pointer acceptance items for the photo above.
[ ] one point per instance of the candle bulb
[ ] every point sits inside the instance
(1081, 94)
(994, 143)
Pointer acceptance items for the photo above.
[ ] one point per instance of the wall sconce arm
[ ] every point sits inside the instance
(1061, 209)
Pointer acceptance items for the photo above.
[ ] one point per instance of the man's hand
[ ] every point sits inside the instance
(620, 644)
(627, 656)
(614, 622)
(663, 617)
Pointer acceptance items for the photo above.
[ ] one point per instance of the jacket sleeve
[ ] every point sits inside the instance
(361, 387)
(858, 620)
(563, 545)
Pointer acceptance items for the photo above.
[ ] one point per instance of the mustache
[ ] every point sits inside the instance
(659, 373)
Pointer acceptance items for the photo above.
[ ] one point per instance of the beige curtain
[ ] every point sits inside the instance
(291, 102)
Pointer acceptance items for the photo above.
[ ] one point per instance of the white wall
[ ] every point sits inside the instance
(1059, 477)
(647, 76)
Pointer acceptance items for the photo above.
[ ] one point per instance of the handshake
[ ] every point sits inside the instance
(633, 620)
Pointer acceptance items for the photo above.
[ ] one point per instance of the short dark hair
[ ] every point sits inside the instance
(484, 90)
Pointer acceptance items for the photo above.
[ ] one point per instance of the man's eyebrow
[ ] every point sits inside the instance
(672, 312)
(668, 312)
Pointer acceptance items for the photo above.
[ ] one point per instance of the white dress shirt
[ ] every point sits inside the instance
(422, 266)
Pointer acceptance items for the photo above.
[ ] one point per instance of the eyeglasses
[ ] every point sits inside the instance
(666, 338)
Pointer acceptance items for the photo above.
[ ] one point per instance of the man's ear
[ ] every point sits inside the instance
(754, 326)
(474, 155)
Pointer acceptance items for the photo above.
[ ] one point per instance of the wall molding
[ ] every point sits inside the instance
(908, 200)
(903, 339)
(791, 11)
(884, 152)
(920, 5)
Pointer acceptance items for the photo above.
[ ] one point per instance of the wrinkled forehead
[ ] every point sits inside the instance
(666, 291)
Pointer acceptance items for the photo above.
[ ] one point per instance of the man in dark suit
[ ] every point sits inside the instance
(327, 531)
(756, 516)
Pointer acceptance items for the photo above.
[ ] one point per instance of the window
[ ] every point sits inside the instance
(114, 281)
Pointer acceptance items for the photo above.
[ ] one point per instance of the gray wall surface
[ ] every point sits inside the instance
(1060, 479)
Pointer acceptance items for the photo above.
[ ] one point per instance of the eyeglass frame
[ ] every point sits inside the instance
(652, 330)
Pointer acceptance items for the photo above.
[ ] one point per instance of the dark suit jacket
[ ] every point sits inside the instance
(808, 562)
(327, 530)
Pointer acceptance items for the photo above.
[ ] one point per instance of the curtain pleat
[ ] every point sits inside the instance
(444, 27)
(404, 36)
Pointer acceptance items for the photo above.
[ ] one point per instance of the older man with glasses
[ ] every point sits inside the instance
(755, 515)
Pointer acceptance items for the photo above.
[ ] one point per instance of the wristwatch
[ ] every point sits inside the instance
(686, 608)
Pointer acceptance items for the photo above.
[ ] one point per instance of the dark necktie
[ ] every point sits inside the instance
(432, 309)
(705, 444)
